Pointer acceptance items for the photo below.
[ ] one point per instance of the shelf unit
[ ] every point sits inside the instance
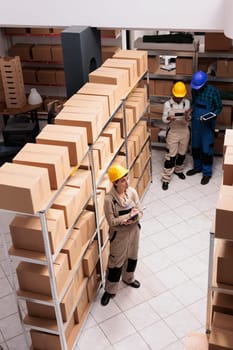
(188, 51)
(157, 99)
(57, 326)
(55, 84)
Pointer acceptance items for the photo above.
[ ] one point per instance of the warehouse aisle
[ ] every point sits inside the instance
(172, 269)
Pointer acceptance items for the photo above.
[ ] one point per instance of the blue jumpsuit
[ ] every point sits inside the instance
(205, 100)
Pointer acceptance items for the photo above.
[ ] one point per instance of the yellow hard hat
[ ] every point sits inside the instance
(179, 89)
(116, 172)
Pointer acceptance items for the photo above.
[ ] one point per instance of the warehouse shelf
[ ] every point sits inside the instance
(55, 295)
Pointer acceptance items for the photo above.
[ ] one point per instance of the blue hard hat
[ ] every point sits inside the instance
(198, 79)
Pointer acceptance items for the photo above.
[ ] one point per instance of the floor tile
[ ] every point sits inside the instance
(142, 316)
(132, 342)
(117, 328)
(165, 304)
(93, 338)
(182, 323)
(158, 336)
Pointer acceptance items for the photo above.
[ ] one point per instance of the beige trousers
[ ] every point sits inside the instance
(177, 141)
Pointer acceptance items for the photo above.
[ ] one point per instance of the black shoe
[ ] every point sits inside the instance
(205, 180)
(134, 284)
(165, 186)
(106, 297)
(193, 172)
(180, 175)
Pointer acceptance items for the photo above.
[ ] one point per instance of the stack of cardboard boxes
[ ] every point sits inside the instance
(221, 336)
(56, 173)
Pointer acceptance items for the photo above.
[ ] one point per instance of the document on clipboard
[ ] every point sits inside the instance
(207, 116)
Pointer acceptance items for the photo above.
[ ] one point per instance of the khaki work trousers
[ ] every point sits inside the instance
(177, 141)
(123, 250)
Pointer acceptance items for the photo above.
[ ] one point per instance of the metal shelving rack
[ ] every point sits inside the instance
(59, 327)
(167, 49)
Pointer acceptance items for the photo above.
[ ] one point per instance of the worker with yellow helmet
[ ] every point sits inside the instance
(122, 211)
(176, 114)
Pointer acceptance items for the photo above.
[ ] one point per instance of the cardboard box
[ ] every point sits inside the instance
(60, 77)
(54, 158)
(224, 68)
(42, 52)
(69, 201)
(228, 167)
(217, 42)
(110, 33)
(153, 63)
(82, 179)
(46, 76)
(57, 54)
(105, 184)
(24, 51)
(224, 262)
(48, 341)
(113, 76)
(221, 336)
(73, 137)
(228, 139)
(30, 75)
(72, 248)
(162, 87)
(35, 278)
(139, 55)
(129, 118)
(92, 286)
(90, 259)
(80, 119)
(103, 149)
(86, 165)
(100, 203)
(82, 305)
(26, 231)
(87, 225)
(224, 213)
(222, 303)
(225, 116)
(40, 31)
(108, 52)
(184, 65)
(104, 229)
(109, 90)
(218, 142)
(75, 103)
(92, 100)
(129, 65)
(113, 131)
(25, 182)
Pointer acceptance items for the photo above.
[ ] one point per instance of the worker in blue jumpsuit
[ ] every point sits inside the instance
(206, 105)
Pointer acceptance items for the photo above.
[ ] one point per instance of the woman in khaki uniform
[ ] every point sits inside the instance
(176, 113)
(122, 211)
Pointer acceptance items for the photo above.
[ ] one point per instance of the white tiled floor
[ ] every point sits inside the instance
(172, 269)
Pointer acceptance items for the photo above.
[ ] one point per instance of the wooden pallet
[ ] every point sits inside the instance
(13, 83)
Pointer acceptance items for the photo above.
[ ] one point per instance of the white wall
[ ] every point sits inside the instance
(197, 15)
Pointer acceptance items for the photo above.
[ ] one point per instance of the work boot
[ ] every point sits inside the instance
(134, 284)
(165, 186)
(180, 175)
(205, 180)
(193, 172)
(106, 297)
